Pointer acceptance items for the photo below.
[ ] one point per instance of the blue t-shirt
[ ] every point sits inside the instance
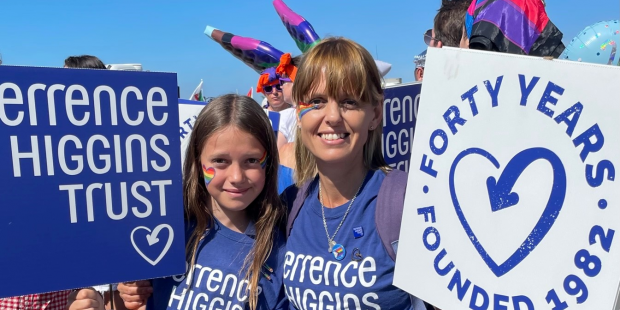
(218, 280)
(315, 279)
(285, 178)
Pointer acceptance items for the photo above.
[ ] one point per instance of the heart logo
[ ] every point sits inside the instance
(501, 197)
(152, 239)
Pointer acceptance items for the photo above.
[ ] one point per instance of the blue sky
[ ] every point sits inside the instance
(168, 35)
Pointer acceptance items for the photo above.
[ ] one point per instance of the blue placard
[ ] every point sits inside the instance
(400, 108)
(90, 190)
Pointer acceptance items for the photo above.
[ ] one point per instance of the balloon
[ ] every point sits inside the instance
(300, 29)
(597, 43)
(257, 54)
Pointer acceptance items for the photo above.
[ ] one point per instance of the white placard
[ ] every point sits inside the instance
(512, 201)
(188, 112)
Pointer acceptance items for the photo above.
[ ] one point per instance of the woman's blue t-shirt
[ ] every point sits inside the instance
(218, 280)
(315, 279)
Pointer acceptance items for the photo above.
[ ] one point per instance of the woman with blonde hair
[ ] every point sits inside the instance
(334, 257)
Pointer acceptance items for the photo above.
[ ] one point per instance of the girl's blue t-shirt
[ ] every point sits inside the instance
(218, 281)
(362, 279)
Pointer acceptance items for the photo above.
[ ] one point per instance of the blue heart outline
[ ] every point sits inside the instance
(547, 219)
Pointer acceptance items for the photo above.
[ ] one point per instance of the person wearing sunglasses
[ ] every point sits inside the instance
(269, 85)
(431, 40)
(287, 70)
(275, 87)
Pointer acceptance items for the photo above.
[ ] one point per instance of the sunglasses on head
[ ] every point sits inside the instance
(428, 37)
(269, 89)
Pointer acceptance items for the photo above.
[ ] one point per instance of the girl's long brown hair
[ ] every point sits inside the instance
(266, 211)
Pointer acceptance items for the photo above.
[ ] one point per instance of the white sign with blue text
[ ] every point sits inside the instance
(91, 187)
(188, 113)
(513, 202)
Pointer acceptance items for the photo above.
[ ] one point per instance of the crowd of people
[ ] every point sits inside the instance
(296, 212)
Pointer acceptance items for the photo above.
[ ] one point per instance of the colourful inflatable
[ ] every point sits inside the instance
(257, 54)
(300, 29)
(597, 43)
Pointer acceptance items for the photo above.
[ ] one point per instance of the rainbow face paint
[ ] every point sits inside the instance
(303, 108)
(263, 160)
(209, 174)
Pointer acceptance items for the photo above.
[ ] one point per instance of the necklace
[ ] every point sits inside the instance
(331, 244)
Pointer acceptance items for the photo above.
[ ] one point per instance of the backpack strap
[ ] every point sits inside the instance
(389, 210)
(300, 195)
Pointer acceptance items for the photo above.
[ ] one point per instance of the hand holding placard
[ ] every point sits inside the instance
(85, 299)
(135, 294)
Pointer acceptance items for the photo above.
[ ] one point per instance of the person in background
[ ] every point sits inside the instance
(270, 85)
(84, 61)
(419, 61)
(449, 25)
(287, 70)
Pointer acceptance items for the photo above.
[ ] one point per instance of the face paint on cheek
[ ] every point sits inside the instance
(263, 160)
(209, 174)
(303, 108)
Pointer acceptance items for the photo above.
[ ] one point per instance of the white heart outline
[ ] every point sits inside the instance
(163, 252)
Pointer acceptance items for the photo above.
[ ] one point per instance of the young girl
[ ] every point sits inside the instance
(335, 258)
(235, 243)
